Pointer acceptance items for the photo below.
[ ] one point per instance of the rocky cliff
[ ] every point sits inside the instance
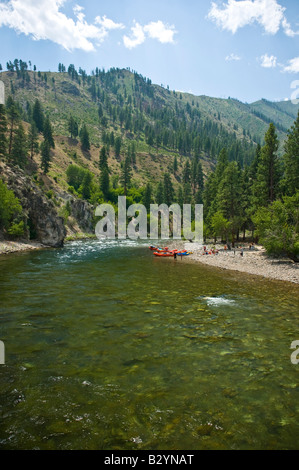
(40, 212)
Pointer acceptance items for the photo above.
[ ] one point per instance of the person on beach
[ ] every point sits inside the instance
(242, 251)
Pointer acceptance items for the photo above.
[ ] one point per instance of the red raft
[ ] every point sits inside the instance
(170, 253)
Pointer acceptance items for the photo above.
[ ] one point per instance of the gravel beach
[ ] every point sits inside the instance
(254, 261)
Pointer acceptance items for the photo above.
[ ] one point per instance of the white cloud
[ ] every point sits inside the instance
(138, 37)
(288, 30)
(293, 66)
(237, 14)
(155, 30)
(44, 20)
(232, 57)
(268, 61)
(158, 30)
(108, 24)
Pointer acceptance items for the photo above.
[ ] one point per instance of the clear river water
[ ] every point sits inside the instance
(108, 347)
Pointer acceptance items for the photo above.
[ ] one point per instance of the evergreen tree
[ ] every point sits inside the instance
(126, 174)
(13, 117)
(187, 193)
(187, 172)
(38, 116)
(229, 197)
(86, 185)
(103, 162)
(104, 182)
(3, 131)
(255, 163)
(199, 177)
(117, 146)
(175, 165)
(291, 160)
(159, 196)
(147, 198)
(45, 156)
(168, 192)
(84, 138)
(180, 196)
(100, 111)
(73, 127)
(266, 187)
(104, 177)
(48, 133)
(19, 147)
(222, 163)
(33, 140)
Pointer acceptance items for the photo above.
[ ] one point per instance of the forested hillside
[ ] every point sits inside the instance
(94, 137)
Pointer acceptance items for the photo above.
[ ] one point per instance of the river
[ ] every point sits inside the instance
(108, 347)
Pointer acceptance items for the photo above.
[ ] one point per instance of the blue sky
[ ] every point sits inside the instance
(246, 49)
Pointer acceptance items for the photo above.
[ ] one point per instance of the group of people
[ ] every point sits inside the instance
(227, 247)
(212, 251)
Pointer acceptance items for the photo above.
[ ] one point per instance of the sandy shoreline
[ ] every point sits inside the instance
(252, 262)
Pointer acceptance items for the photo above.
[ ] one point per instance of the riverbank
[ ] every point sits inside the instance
(254, 261)
(7, 247)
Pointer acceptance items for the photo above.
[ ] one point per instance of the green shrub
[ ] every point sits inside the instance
(17, 229)
(10, 206)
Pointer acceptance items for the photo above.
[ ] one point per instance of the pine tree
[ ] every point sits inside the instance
(117, 146)
(73, 127)
(266, 187)
(84, 138)
(13, 116)
(19, 148)
(291, 160)
(180, 196)
(229, 197)
(105, 182)
(255, 163)
(222, 163)
(38, 116)
(45, 156)
(159, 196)
(86, 185)
(187, 192)
(187, 172)
(104, 177)
(199, 177)
(48, 133)
(103, 162)
(175, 165)
(126, 174)
(3, 131)
(33, 140)
(168, 191)
(147, 198)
